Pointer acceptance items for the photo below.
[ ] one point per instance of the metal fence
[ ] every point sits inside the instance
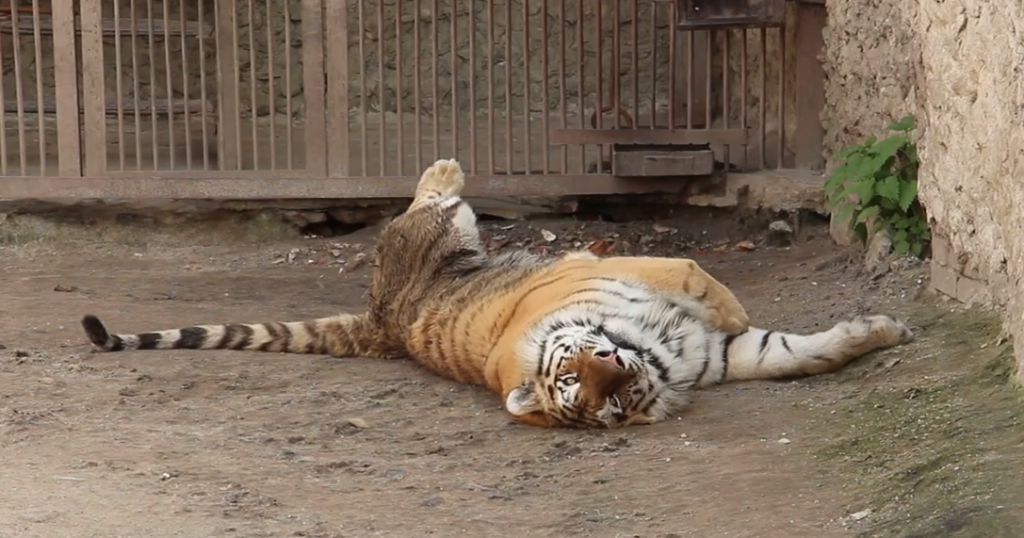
(317, 98)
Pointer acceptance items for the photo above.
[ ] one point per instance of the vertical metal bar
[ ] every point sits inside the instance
(490, 87)
(364, 148)
(237, 83)
(315, 85)
(418, 7)
(18, 84)
(453, 41)
(581, 70)
(635, 65)
(40, 113)
(185, 83)
(136, 97)
(562, 105)
(763, 109)
(544, 86)
(253, 112)
(654, 68)
(170, 79)
(472, 87)
(65, 67)
(744, 34)
(151, 34)
(599, 109)
(508, 86)
(229, 151)
(202, 84)
(382, 135)
(527, 139)
(120, 86)
(399, 94)
(94, 134)
(782, 98)
(271, 85)
(336, 102)
(616, 57)
(689, 80)
(3, 100)
(726, 64)
(289, 126)
(435, 66)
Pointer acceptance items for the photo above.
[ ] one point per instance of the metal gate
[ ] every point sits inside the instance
(322, 98)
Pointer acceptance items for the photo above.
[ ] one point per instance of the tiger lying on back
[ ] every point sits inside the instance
(574, 340)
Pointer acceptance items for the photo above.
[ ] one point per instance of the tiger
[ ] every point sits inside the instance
(570, 340)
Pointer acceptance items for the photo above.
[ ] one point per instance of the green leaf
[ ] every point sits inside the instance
(907, 195)
(869, 142)
(902, 223)
(900, 235)
(926, 235)
(866, 191)
(917, 248)
(868, 213)
(906, 123)
(902, 247)
(889, 188)
(890, 146)
(861, 231)
(846, 153)
(845, 211)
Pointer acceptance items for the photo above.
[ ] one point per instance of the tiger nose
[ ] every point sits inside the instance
(611, 357)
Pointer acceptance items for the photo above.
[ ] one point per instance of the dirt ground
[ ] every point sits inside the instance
(919, 442)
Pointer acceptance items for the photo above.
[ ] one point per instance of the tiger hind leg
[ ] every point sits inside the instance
(442, 180)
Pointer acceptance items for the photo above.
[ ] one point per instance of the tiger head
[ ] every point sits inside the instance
(589, 382)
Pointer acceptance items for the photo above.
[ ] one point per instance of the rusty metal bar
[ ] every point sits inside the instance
(744, 34)
(399, 94)
(18, 87)
(472, 87)
(616, 57)
(289, 123)
(581, 108)
(3, 117)
(654, 69)
(545, 91)
(151, 35)
(364, 105)
(726, 63)
(453, 41)
(709, 48)
(508, 86)
(271, 83)
(490, 88)
(120, 86)
(561, 86)
(170, 78)
(335, 101)
(782, 98)
(436, 93)
(253, 112)
(763, 108)
(382, 135)
(315, 85)
(648, 136)
(136, 97)
(185, 83)
(635, 67)
(599, 108)
(527, 144)
(417, 83)
(689, 81)
(65, 67)
(39, 84)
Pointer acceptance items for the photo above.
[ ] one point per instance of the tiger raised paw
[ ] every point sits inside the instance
(573, 340)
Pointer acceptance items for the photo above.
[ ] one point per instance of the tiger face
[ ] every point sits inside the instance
(586, 379)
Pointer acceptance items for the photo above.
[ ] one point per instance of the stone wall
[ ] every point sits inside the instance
(936, 59)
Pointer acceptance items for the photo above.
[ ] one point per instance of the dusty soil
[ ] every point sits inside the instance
(919, 442)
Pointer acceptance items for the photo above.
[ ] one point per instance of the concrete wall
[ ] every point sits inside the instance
(937, 60)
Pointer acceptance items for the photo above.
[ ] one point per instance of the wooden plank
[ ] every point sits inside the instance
(177, 106)
(65, 72)
(227, 86)
(337, 88)
(107, 27)
(648, 136)
(810, 88)
(632, 162)
(181, 185)
(95, 128)
(314, 85)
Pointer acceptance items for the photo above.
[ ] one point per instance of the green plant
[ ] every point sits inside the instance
(875, 187)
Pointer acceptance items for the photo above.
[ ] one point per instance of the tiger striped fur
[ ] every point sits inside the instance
(574, 340)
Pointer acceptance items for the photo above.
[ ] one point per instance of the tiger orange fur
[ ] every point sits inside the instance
(573, 340)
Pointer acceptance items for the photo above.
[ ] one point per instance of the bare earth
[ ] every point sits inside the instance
(232, 444)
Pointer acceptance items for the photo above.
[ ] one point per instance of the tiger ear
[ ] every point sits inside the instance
(522, 400)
